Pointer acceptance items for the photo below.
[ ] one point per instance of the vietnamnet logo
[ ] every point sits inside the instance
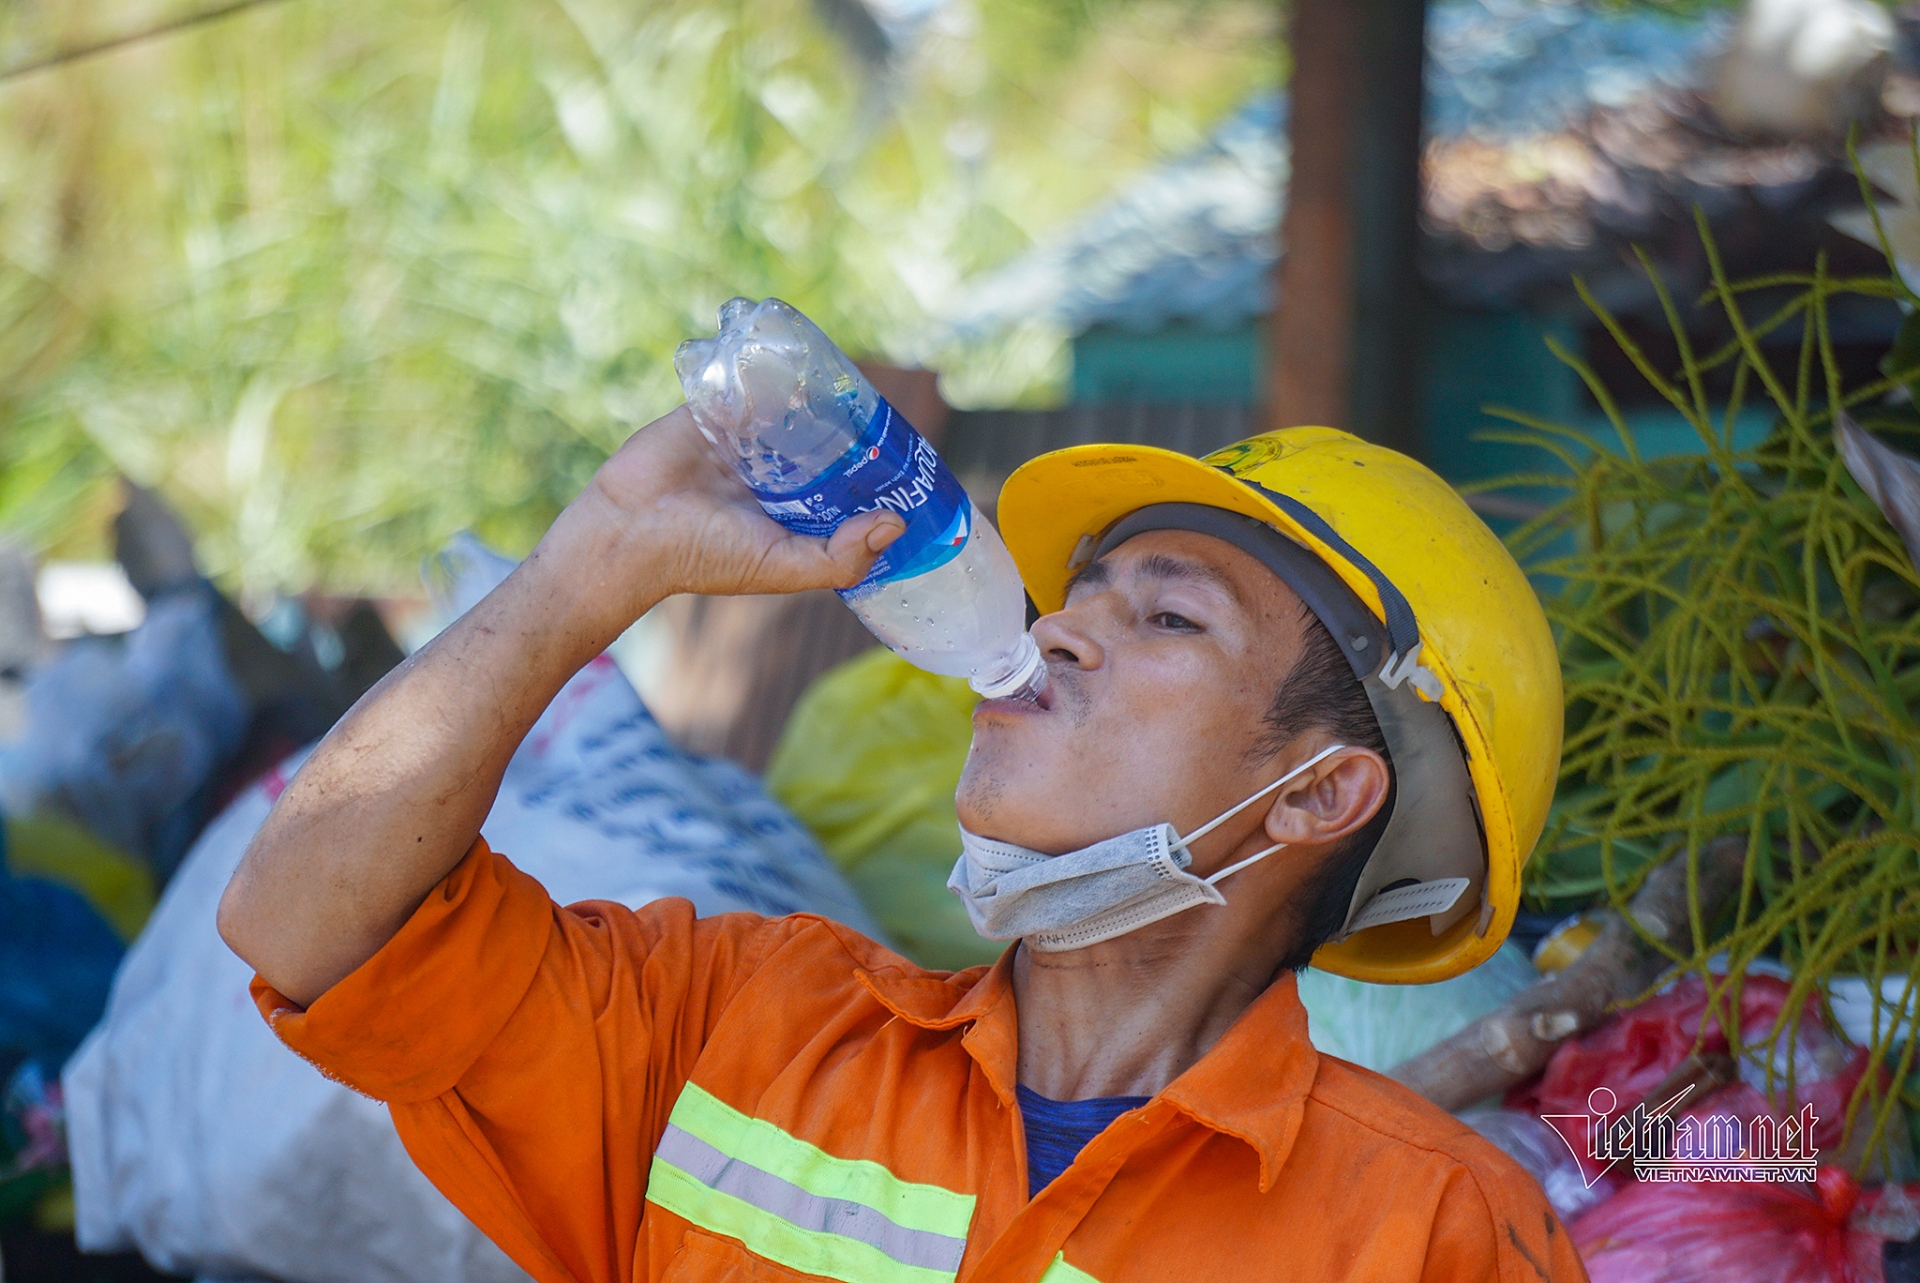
(1695, 1147)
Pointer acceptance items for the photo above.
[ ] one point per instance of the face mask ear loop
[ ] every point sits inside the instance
(1217, 878)
(1188, 841)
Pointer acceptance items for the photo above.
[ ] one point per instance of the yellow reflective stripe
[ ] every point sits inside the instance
(760, 1143)
(765, 1234)
(777, 1197)
(1061, 1272)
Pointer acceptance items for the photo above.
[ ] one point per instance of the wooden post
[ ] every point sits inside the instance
(1307, 368)
(1345, 340)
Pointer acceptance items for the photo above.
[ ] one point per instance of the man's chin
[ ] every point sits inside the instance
(1008, 806)
(976, 798)
(993, 799)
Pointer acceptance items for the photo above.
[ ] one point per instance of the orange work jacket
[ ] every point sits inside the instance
(620, 1095)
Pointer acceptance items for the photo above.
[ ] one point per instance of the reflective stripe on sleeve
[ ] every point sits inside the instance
(792, 1202)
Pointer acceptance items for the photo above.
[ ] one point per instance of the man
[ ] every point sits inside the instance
(1129, 1093)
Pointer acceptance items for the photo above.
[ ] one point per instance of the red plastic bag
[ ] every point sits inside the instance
(1731, 1233)
(1631, 1054)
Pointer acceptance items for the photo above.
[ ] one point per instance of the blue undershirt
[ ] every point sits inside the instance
(1057, 1130)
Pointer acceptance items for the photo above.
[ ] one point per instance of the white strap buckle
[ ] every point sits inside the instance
(1407, 667)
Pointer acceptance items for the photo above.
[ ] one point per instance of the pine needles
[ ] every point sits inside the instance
(1740, 634)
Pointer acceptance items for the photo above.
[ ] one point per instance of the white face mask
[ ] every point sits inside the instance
(1060, 902)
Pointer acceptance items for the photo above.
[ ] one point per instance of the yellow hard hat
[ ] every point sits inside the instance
(1439, 623)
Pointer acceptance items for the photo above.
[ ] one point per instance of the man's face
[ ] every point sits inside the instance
(1161, 667)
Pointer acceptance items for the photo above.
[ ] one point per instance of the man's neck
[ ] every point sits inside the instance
(1127, 1016)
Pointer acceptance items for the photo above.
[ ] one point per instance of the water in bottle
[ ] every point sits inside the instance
(816, 445)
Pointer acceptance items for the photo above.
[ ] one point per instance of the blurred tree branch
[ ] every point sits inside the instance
(60, 57)
(340, 279)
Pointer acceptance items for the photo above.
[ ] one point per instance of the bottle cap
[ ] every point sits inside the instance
(1025, 679)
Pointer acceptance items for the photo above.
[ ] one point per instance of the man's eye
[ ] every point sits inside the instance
(1179, 623)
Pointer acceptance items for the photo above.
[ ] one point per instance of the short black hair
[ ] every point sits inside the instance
(1320, 692)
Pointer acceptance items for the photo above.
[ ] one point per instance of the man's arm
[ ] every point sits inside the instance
(395, 794)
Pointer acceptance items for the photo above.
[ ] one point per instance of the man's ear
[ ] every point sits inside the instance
(1334, 798)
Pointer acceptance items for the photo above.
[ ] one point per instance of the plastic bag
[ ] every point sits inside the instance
(57, 958)
(198, 1138)
(1538, 1148)
(1736, 1232)
(1379, 1026)
(123, 732)
(869, 762)
(1631, 1054)
(1864, 1016)
(119, 887)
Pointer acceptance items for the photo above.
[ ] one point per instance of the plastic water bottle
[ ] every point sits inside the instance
(816, 445)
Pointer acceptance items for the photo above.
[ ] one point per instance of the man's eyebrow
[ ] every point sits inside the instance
(1161, 566)
(1095, 574)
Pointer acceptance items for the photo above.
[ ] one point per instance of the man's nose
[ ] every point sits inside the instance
(1066, 636)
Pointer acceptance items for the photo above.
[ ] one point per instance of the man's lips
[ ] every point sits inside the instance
(1011, 707)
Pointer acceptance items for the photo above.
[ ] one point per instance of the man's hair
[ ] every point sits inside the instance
(1320, 692)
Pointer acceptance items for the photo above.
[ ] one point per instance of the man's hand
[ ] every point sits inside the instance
(394, 796)
(664, 515)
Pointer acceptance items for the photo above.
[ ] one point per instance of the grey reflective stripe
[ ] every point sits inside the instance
(782, 1198)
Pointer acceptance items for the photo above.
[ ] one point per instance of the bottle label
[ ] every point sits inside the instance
(890, 466)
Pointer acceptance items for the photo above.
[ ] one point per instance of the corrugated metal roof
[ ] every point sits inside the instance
(1190, 238)
(1557, 132)
(1510, 68)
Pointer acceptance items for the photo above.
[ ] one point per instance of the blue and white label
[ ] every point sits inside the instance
(890, 466)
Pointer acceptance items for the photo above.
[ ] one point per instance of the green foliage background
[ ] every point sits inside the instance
(342, 278)
(1739, 632)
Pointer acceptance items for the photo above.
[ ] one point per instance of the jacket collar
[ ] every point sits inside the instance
(980, 997)
(1251, 1085)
